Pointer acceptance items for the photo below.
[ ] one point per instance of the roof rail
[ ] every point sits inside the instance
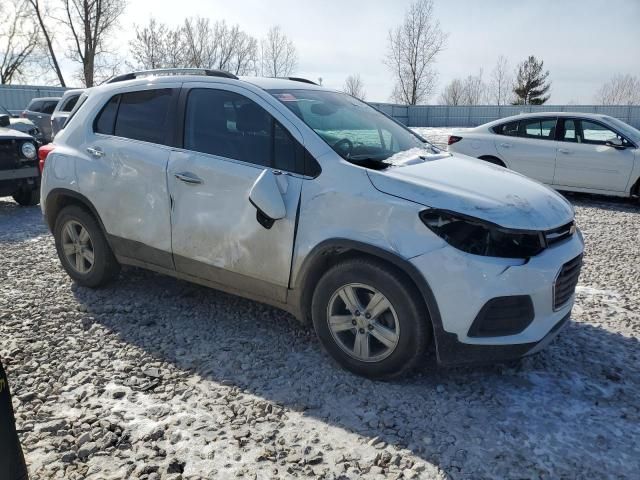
(172, 71)
(303, 80)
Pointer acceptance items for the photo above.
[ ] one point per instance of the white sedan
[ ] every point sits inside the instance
(568, 151)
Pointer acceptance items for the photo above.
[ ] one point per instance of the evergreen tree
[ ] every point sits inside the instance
(531, 83)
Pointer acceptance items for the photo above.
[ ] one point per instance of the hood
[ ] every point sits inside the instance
(466, 185)
(14, 134)
(21, 121)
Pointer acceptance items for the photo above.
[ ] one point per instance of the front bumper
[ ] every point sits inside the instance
(462, 284)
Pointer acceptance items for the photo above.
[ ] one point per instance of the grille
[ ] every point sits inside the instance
(558, 234)
(566, 281)
(8, 154)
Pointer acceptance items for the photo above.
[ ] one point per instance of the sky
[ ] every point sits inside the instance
(583, 42)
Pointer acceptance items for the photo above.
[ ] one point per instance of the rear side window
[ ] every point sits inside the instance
(70, 103)
(48, 106)
(543, 128)
(142, 115)
(509, 129)
(570, 131)
(106, 119)
(35, 106)
(230, 125)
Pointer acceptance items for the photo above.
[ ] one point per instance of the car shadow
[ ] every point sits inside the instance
(603, 202)
(18, 224)
(537, 418)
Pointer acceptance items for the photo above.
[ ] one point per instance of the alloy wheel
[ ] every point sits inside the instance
(363, 322)
(77, 247)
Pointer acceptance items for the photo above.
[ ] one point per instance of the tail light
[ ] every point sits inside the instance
(43, 152)
(453, 139)
(23, 114)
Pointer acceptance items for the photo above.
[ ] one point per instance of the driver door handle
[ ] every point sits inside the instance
(188, 177)
(505, 145)
(564, 150)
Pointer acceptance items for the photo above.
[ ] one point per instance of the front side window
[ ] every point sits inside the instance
(355, 130)
(597, 134)
(542, 128)
(229, 125)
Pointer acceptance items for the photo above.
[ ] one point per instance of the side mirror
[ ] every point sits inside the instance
(615, 143)
(4, 120)
(266, 197)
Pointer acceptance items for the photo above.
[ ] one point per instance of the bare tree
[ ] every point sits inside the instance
(412, 51)
(474, 90)
(237, 51)
(501, 83)
(620, 90)
(468, 91)
(354, 85)
(149, 47)
(453, 93)
(42, 15)
(278, 54)
(89, 24)
(18, 40)
(218, 46)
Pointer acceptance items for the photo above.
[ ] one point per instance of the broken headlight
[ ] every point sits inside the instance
(480, 237)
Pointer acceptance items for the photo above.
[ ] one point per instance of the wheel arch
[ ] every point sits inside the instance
(59, 198)
(332, 251)
(493, 159)
(635, 189)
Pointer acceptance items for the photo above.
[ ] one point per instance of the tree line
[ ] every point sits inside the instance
(35, 35)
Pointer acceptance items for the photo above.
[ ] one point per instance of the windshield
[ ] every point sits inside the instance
(355, 130)
(4, 111)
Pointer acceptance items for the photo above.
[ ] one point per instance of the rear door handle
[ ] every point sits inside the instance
(188, 177)
(95, 152)
(564, 150)
(505, 145)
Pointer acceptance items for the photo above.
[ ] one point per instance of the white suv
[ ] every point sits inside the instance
(308, 199)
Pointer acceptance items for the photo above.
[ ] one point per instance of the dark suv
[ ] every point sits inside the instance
(19, 174)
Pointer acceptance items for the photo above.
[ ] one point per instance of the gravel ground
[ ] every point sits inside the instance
(155, 378)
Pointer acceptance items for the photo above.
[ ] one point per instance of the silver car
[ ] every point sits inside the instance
(63, 109)
(39, 112)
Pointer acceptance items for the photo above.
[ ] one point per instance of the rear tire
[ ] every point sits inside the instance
(393, 338)
(83, 249)
(27, 197)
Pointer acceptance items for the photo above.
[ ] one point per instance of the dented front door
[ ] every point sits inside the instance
(215, 231)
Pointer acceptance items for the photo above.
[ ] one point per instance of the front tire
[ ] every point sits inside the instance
(83, 249)
(370, 319)
(27, 197)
